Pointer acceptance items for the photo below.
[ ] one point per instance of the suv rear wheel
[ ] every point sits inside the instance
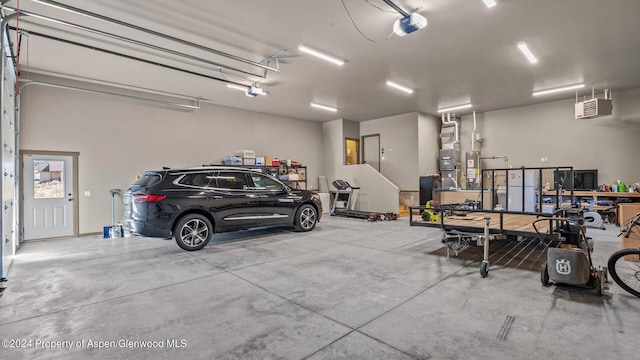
(306, 218)
(193, 232)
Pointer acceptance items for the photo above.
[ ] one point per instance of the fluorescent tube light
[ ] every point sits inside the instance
(490, 3)
(551, 91)
(323, 107)
(237, 87)
(248, 90)
(321, 55)
(399, 87)
(455, 108)
(525, 50)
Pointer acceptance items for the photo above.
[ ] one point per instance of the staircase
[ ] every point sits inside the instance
(403, 210)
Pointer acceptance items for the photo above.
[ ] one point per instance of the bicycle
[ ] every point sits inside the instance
(624, 265)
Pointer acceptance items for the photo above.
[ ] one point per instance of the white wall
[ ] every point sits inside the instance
(399, 139)
(376, 193)
(528, 133)
(118, 139)
(333, 147)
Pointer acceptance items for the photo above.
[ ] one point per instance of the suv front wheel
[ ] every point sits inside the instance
(306, 218)
(193, 232)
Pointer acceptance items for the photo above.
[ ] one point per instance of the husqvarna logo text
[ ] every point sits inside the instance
(563, 266)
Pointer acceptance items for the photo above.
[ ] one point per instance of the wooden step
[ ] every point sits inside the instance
(403, 210)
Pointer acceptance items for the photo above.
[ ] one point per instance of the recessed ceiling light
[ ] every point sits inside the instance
(490, 3)
(525, 50)
(454, 108)
(321, 55)
(399, 87)
(551, 91)
(324, 107)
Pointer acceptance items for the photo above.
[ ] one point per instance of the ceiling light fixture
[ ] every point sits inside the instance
(465, 106)
(251, 91)
(551, 91)
(490, 3)
(525, 50)
(237, 87)
(321, 55)
(323, 107)
(399, 87)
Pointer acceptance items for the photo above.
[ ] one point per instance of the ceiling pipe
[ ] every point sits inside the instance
(128, 40)
(473, 133)
(126, 56)
(95, 16)
(447, 121)
(131, 97)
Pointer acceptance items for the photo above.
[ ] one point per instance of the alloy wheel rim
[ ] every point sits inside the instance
(307, 218)
(194, 232)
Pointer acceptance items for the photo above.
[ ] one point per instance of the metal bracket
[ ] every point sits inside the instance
(273, 57)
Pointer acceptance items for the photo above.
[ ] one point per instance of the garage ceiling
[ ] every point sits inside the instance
(466, 54)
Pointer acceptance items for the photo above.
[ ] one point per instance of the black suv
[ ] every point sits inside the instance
(192, 204)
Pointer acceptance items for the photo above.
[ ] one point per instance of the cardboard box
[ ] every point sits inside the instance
(632, 242)
(626, 211)
(268, 160)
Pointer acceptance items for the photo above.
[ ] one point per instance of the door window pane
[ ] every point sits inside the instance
(261, 182)
(48, 179)
(231, 180)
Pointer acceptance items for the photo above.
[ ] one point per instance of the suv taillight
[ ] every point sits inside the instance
(148, 198)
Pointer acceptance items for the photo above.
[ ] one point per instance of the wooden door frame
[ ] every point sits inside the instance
(76, 207)
(358, 160)
(379, 169)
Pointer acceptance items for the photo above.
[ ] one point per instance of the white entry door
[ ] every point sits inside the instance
(371, 150)
(48, 196)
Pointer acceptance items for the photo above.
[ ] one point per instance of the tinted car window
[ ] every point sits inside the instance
(231, 180)
(199, 179)
(148, 179)
(262, 182)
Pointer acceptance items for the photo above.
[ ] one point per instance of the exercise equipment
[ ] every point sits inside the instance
(343, 188)
(593, 220)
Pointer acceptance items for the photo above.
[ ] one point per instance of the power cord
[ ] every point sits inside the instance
(358, 29)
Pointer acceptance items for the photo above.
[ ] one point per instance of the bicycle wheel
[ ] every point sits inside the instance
(624, 268)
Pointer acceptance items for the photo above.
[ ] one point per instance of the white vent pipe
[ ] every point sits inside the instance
(447, 121)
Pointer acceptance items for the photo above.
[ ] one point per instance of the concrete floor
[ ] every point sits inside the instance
(350, 289)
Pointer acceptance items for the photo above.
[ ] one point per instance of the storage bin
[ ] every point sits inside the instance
(245, 153)
(232, 160)
(248, 161)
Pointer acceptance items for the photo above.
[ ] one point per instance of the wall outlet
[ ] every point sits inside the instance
(87, 193)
